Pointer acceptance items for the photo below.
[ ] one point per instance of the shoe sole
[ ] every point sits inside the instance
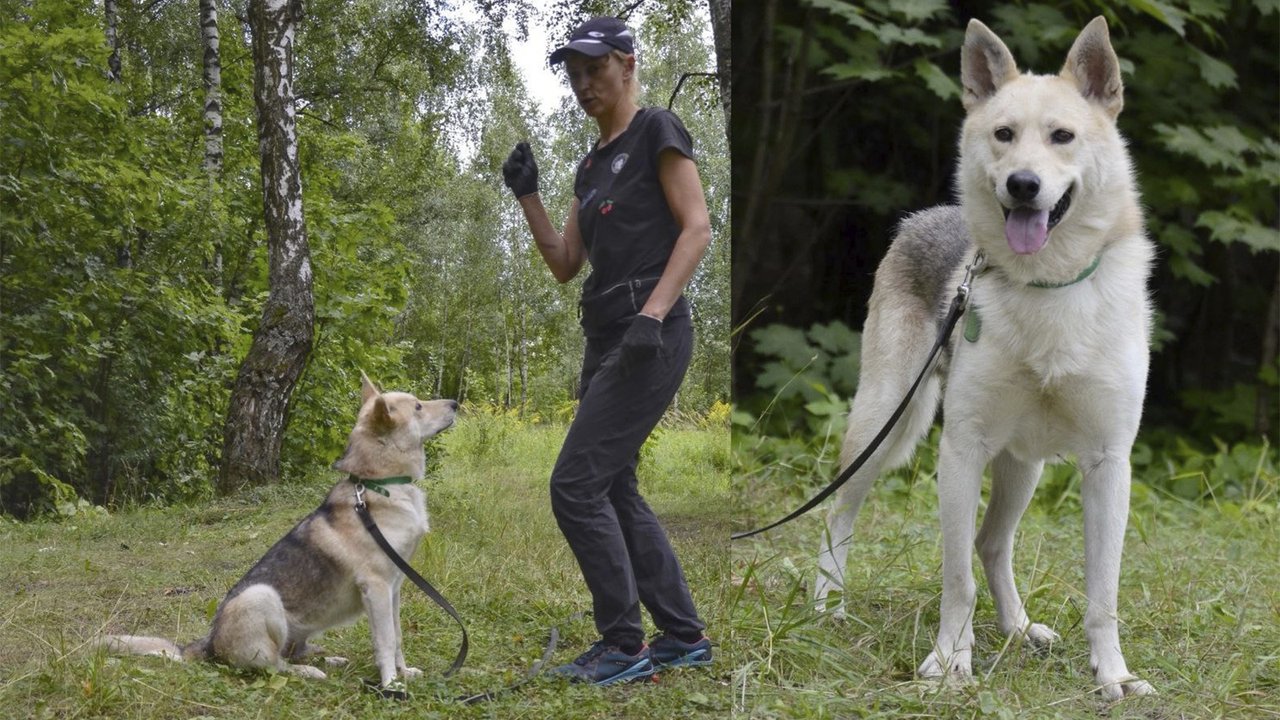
(642, 669)
(697, 658)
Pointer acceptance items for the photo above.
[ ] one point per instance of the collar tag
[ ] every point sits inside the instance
(972, 324)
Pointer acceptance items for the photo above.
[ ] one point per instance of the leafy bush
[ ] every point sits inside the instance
(789, 433)
(806, 379)
(1200, 116)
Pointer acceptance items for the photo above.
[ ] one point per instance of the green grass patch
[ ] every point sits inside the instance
(494, 551)
(1199, 604)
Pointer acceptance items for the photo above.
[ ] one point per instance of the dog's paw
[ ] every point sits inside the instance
(410, 672)
(1041, 636)
(957, 665)
(306, 671)
(1123, 687)
(391, 690)
(835, 612)
(336, 661)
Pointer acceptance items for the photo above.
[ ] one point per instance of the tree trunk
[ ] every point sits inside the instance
(212, 116)
(462, 366)
(99, 454)
(212, 88)
(508, 340)
(258, 411)
(524, 361)
(113, 61)
(1270, 347)
(721, 34)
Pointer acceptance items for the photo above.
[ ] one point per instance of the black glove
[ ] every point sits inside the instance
(641, 343)
(520, 172)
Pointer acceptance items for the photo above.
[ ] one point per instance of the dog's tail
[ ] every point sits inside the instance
(900, 331)
(159, 647)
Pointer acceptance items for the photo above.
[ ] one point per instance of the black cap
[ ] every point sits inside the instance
(595, 37)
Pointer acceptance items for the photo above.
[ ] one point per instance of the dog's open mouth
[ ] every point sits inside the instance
(1027, 228)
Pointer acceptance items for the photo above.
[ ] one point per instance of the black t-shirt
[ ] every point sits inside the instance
(626, 225)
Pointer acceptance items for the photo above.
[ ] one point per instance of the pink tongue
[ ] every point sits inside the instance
(1026, 230)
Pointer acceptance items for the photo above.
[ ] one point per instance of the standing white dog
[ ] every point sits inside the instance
(1054, 354)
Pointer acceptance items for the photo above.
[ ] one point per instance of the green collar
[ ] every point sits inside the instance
(1083, 274)
(973, 321)
(378, 484)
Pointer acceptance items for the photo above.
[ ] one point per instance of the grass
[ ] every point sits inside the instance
(1199, 608)
(494, 551)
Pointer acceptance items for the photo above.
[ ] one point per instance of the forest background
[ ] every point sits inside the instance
(846, 120)
(132, 277)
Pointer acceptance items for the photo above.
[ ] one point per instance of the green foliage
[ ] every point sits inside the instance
(805, 381)
(1200, 117)
(788, 434)
(131, 283)
(111, 331)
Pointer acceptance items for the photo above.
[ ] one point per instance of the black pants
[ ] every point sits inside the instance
(623, 551)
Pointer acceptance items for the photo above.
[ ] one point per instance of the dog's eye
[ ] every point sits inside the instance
(1004, 134)
(1062, 137)
(418, 407)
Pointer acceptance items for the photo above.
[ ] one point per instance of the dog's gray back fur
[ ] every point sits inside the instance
(929, 246)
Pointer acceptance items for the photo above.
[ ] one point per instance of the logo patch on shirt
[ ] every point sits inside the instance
(606, 207)
(618, 162)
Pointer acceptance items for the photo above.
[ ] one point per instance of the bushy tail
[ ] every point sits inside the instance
(897, 339)
(143, 645)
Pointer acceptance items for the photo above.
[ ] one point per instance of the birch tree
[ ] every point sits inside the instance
(212, 88)
(258, 410)
(112, 16)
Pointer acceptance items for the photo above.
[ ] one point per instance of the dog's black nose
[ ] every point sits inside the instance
(1023, 185)
(453, 404)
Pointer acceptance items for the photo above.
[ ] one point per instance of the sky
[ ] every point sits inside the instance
(530, 54)
(530, 57)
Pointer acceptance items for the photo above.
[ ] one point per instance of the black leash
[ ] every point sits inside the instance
(367, 518)
(958, 305)
(362, 509)
(529, 675)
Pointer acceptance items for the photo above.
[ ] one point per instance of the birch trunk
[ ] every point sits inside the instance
(509, 395)
(212, 88)
(109, 8)
(524, 361)
(212, 116)
(258, 411)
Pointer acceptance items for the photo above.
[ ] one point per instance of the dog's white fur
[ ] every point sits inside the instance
(1055, 370)
(328, 570)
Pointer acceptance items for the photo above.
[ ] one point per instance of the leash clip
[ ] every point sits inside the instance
(970, 272)
(360, 504)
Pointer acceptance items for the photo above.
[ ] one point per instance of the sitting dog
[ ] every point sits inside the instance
(328, 570)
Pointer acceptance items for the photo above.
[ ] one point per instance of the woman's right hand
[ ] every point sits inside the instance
(520, 172)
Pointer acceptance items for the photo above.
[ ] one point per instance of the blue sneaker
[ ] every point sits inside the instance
(605, 665)
(668, 651)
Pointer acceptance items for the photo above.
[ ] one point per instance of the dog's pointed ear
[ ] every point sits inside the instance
(380, 420)
(1094, 68)
(985, 64)
(367, 388)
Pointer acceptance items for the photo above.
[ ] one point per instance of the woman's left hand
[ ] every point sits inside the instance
(642, 342)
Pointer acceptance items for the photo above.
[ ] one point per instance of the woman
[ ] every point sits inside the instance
(641, 219)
